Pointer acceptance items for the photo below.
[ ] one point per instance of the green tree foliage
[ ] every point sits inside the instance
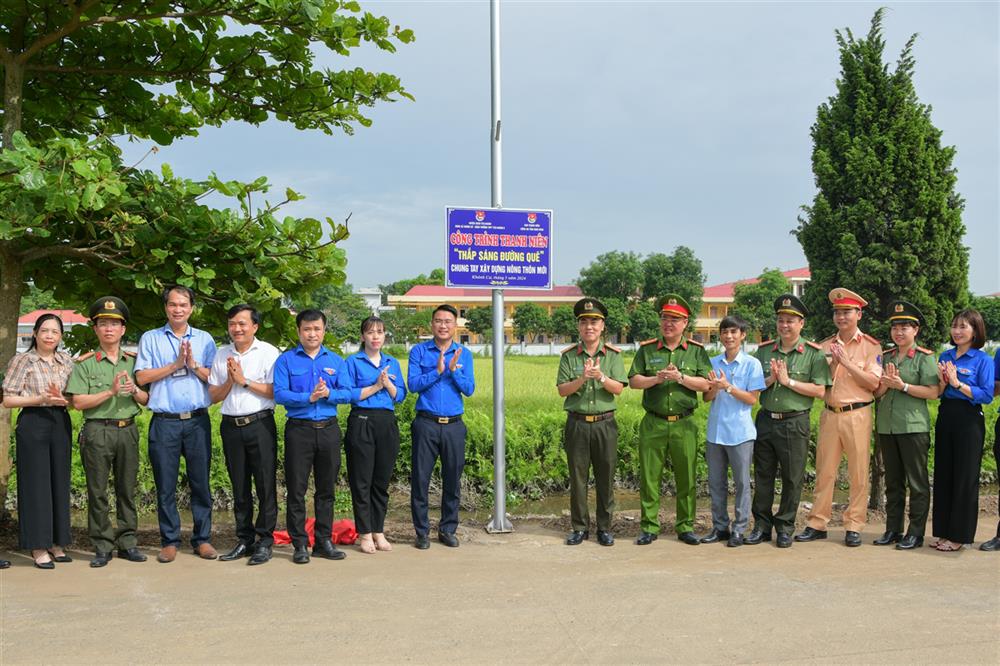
(886, 220)
(612, 275)
(989, 307)
(38, 299)
(678, 273)
(162, 70)
(400, 287)
(344, 310)
(562, 322)
(754, 301)
(480, 321)
(530, 320)
(617, 322)
(113, 229)
(644, 321)
(404, 325)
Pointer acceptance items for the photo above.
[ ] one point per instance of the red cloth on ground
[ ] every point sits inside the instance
(343, 532)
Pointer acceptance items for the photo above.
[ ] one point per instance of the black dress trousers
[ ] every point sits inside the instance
(252, 458)
(43, 437)
(372, 444)
(958, 454)
(316, 450)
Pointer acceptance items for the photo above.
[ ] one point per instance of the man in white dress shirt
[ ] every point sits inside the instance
(242, 380)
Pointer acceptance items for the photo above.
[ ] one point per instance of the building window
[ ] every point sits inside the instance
(713, 312)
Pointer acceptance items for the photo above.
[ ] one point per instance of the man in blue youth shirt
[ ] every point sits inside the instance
(440, 370)
(175, 361)
(310, 381)
(736, 380)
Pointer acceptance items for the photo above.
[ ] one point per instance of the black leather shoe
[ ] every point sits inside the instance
(784, 540)
(301, 555)
(261, 554)
(989, 546)
(757, 536)
(45, 565)
(61, 559)
(239, 552)
(327, 550)
(576, 537)
(605, 538)
(132, 554)
(646, 538)
(909, 542)
(448, 539)
(715, 536)
(735, 540)
(852, 539)
(888, 538)
(810, 534)
(689, 538)
(100, 560)
(4, 564)
(422, 542)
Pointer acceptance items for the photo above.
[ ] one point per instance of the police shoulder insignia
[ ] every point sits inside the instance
(815, 345)
(648, 342)
(84, 357)
(610, 346)
(568, 349)
(695, 342)
(765, 342)
(131, 353)
(925, 351)
(871, 339)
(829, 339)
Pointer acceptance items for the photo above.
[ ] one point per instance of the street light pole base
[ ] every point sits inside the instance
(499, 526)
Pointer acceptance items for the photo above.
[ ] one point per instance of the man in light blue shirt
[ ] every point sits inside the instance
(175, 361)
(736, 380)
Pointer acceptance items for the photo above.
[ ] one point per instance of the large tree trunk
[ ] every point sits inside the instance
(11, 289)
(876, 499)
(13, 89)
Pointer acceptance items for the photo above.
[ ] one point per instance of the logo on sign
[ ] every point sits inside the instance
(480, 216)
(532, 217)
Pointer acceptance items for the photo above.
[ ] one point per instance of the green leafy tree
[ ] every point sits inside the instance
(37, 299)
(678, 273)
(400, 287)
(617, 321)
(562, 322)
(530, 320)
(644, 321)
(754, 301)
(989, 307)
(886, 220)
(404, 325)
(344, 310)
(480, 321)
(612, 275)
(78, 222)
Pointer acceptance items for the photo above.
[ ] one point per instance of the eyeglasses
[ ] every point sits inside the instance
(673, 320)
(442, 322)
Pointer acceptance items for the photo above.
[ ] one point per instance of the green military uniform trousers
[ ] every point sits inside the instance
(905, 460)
(781, 446)
(591, 444)
(659, 438)
(106, 448)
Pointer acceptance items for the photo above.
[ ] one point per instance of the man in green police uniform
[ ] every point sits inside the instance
(103, 387)
(670, 371)
(591, 374)
(795, 373)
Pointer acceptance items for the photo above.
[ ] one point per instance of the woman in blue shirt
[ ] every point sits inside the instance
(966, 385)
(372, 433)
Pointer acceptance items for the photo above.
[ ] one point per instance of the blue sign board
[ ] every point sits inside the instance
(498, 248)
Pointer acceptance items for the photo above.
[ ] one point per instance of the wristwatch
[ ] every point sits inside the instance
(906, 388)
(791, 383)
(729, 389)
(246, 385)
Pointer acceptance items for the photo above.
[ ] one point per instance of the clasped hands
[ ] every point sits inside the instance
(947, 371)
(453, 365)
(718, 381)
(185, 357)
(53, 397)
(890, 377)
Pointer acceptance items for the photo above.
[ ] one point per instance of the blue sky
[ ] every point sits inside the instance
(643, 125)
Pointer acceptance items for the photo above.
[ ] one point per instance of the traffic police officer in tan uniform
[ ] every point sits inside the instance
(670, 370)
(796, 373)
(591, 374)
(103, 387)
(846, 424)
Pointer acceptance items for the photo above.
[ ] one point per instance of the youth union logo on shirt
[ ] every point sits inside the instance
(329, 371)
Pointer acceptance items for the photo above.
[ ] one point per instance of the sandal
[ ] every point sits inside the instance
(366, 544)
(62, 558)
(946, 546)
(40, 563)
(381, 543)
